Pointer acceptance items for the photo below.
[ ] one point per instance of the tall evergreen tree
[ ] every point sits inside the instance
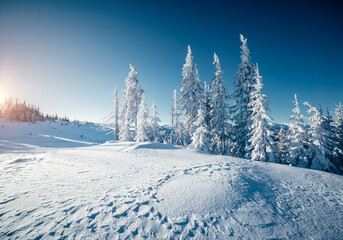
(191, 92)
(116, 114)
(319, 140)
(132, 96)
(241, 110)
(143, 128)
(329, 126)
(200, 138)
(112, 120)
(338, 151)
(207, 104)
(220, 110)
(176, 135)
(299, 153)
(282, 145)
(261, 147)
(155, 128)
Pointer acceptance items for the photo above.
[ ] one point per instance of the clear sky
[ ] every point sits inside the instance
(67, 56)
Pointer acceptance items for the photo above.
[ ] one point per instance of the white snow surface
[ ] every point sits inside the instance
(55, 184)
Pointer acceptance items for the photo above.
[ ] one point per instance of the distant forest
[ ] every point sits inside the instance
(17, 111)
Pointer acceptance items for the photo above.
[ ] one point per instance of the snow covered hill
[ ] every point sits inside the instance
(60, 182)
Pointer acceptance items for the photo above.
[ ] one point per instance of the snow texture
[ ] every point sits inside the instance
(55, 184)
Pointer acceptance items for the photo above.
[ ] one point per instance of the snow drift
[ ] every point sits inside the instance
(60, 182)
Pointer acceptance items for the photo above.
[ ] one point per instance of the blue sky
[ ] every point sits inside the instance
(67, 56)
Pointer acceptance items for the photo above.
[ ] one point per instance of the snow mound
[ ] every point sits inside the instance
(20, 136)
(84, 190)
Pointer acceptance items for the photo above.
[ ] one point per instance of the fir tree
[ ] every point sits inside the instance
(338, 150)
(155, 128)
(200, 138)
(261, 143)
(282, 144)
(132, 96)
(112, 120)
(208, 104)
(190, 93)
(219, 111)
(116, 114)
(329, 126)
(176, 135)
(318, 137)
(143, 128)
(241, 110)
(298, 139)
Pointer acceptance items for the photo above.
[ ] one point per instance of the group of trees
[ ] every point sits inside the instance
(203, 118)
(318, 145)
(16, 111)
(125, 123)
(13, 110)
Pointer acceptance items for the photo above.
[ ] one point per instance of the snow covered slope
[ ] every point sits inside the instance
(55, 184)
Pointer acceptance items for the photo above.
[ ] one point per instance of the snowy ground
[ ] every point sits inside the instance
(58, 182)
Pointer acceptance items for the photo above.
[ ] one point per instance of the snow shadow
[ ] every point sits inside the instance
(29, 143)
(157, 146)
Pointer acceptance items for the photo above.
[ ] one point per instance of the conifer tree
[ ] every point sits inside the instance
(155, 128)
(299, 153)
(132, 96)
(208, 104)
(241, 110)
(200, 138)
(219, 111)
(329, 126)
(282, 144)
(116, 114)
(176, 135)
(338, 150)
(143, 128)
(319, 140)
(261, 143)
(112, 120)
(191, 92)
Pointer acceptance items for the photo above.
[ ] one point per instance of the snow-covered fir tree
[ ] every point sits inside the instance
(282, 144)
(11, 110)
(338, 151)
(155, 127)
(200, 138)
(207, 104)
(112, 120)
(329, 126)
(261, 147)
(143, 128)
(124, 133)
(318, 137)
(299, 153)
(176, 135)
(132, 96)
(219, 111)
(191, 92)
(116, 114)
(173, 110)
(241, 112)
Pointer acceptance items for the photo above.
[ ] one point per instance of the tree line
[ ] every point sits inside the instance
(203, 118)
(20, 111)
